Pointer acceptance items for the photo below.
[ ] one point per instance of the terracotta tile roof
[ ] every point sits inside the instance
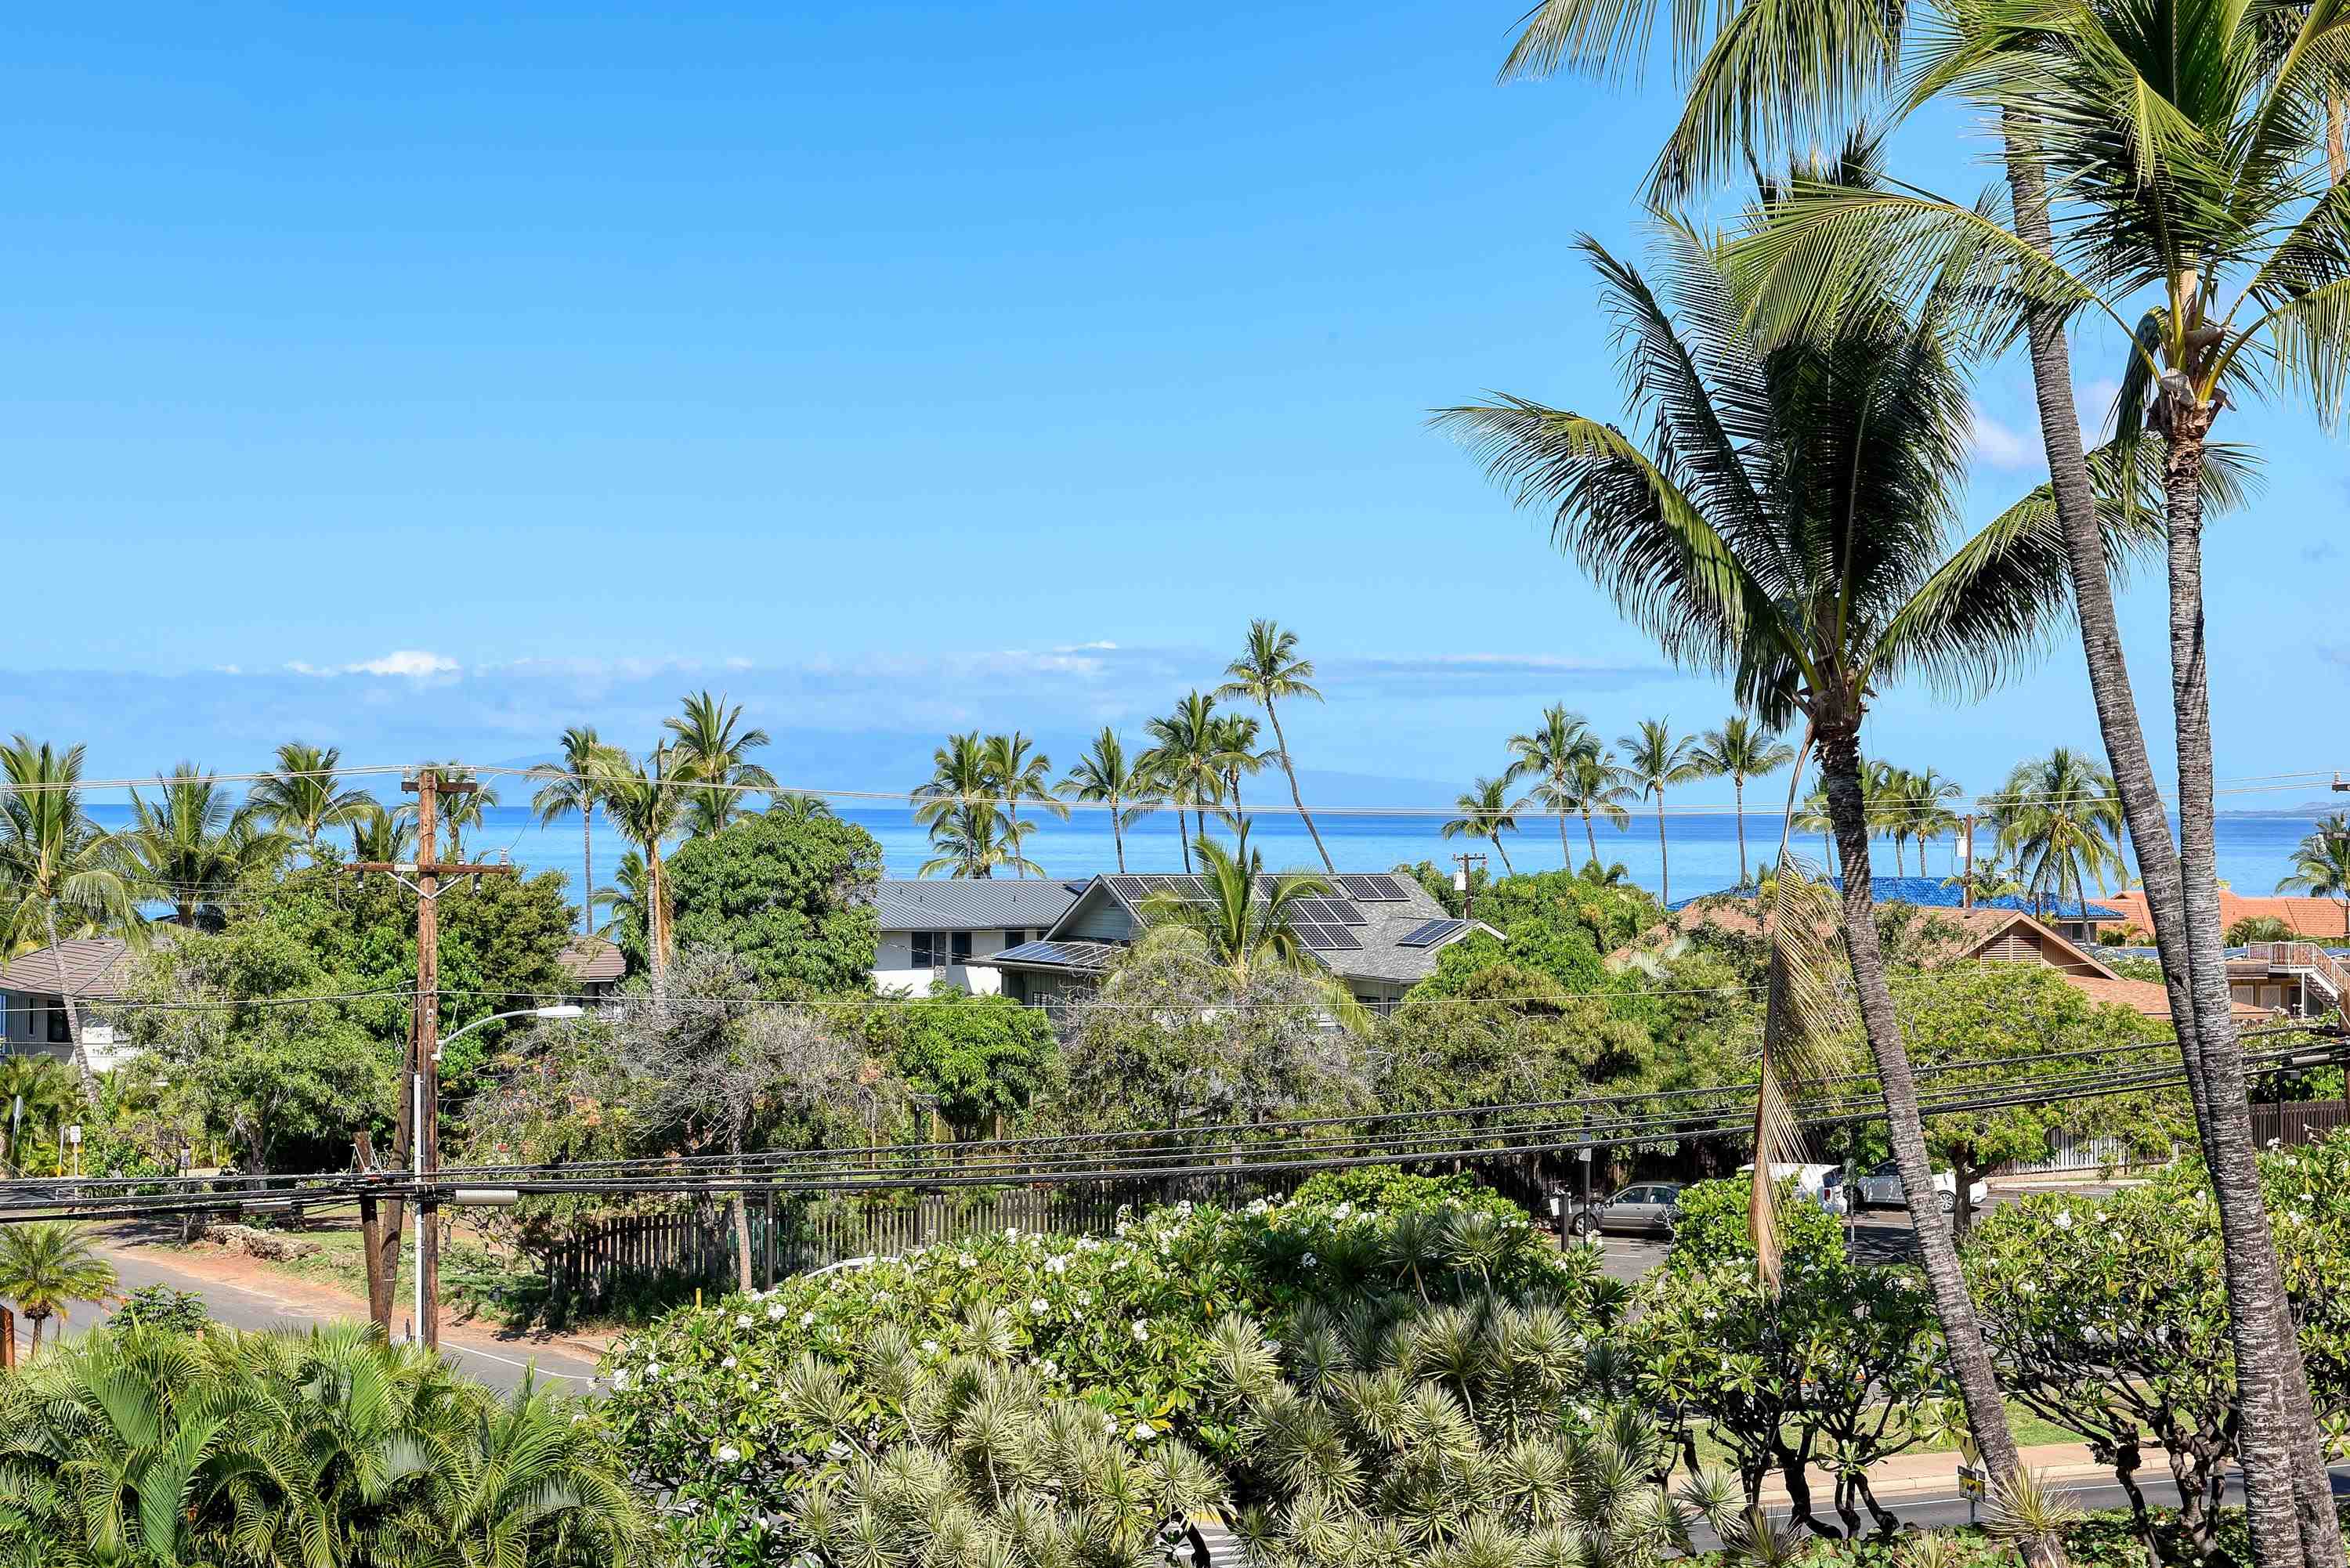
(591, 960)
(2317, 920)
(2148, 997)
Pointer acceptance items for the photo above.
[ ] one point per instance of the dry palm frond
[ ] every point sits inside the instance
(1805, 1019)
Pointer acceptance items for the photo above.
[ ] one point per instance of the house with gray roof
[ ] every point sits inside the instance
(1378, 935)
(33, 986)
(932, 930)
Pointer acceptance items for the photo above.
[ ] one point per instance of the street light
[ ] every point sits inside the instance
(416, 1127)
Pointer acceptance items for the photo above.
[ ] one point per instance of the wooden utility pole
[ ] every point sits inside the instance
(418, 1142)
(1966, 876)
(1467, 885)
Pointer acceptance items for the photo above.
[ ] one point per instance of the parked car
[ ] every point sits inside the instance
(1810, 1180)
(1879, 1187)
(1643, 1208)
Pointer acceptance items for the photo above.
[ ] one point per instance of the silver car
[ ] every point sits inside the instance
(1643, 1208)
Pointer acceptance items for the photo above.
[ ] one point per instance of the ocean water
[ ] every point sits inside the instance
(2255, 848)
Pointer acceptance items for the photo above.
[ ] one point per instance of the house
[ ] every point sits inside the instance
(33, 988)
(1378, 935)
(2324, 921)
(2297, 977)
(931, 931)
(592, 969)
(2072, 918)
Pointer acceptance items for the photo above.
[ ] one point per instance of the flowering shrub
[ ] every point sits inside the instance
(1124, 1324)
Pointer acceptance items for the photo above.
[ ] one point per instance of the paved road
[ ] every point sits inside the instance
(1950, 1509)
(254, 1305)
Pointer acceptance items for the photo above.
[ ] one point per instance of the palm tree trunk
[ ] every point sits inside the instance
(656, 922)
(1183, 836)
(1507, 869)
(1664, 862)
(1116, 832)
(588, 869)
(1295, 799)
(73, 1023)
(2265, 1448)
(1593, 839)
(1738, 794)
(1970, 1365)
(1558, 800)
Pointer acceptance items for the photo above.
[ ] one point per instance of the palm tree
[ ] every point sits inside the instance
(192, 849)
(797, 805)
(457, 809)
(1738, 750)
(383, 837)
(711, 749)
(1595, 784)
(1486, 813)
(1185, 761)
(1654, 760)
(648, 801)
(1249, 920)
(1014, 774)
(1549, 754)
(1812, 816)
(2061, 819)
(1926, 800)
(45, 1268)
(1234, 738)
(1270, 671)
(303, 797)
(568, 786)
(2321, 866)
(958, 782)
(1881, 784)
(625, 898)
(1104, 777)
(1788, 528)
(55, 861)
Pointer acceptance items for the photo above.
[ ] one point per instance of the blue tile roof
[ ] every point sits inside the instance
(1929, 893)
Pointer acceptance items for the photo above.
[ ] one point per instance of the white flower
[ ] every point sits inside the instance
(727, 1365)
(1341, 1211)
(1110, 1425)
(1143, 1432)
(838, 1449)
(969, 1262)
(930, 1347)
(1040, 1306)
(2063, 1220)
(1312, 1262)
(1056, 1264)
(1011, 1233)
(1084, 1298)
(652, 1371)
(1860, 1311)
(1141, 1332)
(1049, 1368)
(619, 1379)
(728, 1454)
(774, 1311)
(2025, 1287)
(741, 1320)
(806, 1318)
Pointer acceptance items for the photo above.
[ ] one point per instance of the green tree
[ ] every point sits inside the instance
(1237, 757)
(648, 801)
(46, 1267)
(1184, 760)
(302, 796)
(1486, 813)
(193, 849)
(1738, 750)
(1269, 671)
(710, 748)
(566, 788)
(1248, 918)
(1654, 760)
(1016, 771)
(1597, 786)
(790, 897)
(458, 810)
(960, 805)
(384, 838)
(982, 1056)
(1103, 777)
(58, 865)
(2061, 819)
(2321, 866)
(1550, 754)
(35, 1092)
(1790, 529)
(1926, 798)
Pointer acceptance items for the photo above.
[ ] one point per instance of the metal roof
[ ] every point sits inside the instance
(95, 967)
(591, 960)
(1358, 938)
(1087, 956)
(971, 904)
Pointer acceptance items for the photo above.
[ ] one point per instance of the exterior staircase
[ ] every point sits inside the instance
(2322, 974)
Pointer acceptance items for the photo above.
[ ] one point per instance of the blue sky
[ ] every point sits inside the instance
(420, 383)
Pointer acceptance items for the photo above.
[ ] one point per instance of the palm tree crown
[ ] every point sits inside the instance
(569, 786)
(57, 867)
(1486, 813)
(1550, 753)
(1655, 759)
(2061, 817)
(710, 748)
(2321, 864)
(302, 796)
(47, 1267)
(191, 848)
(1186, 762)
(1738, 750)
(648, 801)
(1103, 777)
(1270, 671)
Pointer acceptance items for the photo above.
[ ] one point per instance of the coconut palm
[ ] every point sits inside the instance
(301, 796)
(568, 786)
(58, 866)
(1268, 672)
(1237, 756)
(1103, 777)
(34, 1092)
(1738, 750)
(383, 837)
(2321, 864)
(648, 802)
(1880, 793)
(1812, 817)
(1596, 786)
(711, 747)
(193, 849)
(625, 898)
(1655, 759)
(977, 840)
(2260, 929)
(959, 781)
(1549, 754)
(1186, 763)
(47, 1267)
(2059, 817)
(1248, 920)
(797, 805)
(1486, 813)
(1787, 526)
(457, 810)
(1016, 771)
(1926, 798)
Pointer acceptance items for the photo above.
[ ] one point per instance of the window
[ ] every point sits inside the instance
(1013, 938)
(60, 1025)
(937, 950)
(960, 946)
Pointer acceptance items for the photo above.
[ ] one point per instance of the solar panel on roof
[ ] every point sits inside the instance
(1133, 889)
(1342, 939)
(1427, 933)
(1347, 914)
(1373, 889)
(1313, 934)
(1390, 889)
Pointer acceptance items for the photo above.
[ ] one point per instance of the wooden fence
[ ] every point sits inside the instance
(2297, 1121)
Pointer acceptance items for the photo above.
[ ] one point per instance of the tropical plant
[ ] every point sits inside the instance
(1738, 750)
(625, 898)
(1248, 918)
(193, 849)
(35, 1092)
(1551, 754)
(457, 809)
(2321, 866)
(1789, 528)
(2260, 929)
(1237, 756)
(954, 804)
(1103, 777)
(648, 801)
(710, 749)
(1486, 813)
(382, 837)
(1268, 672)
(2061, 819)
(1015, 771)
(790, 897)
(566, 787)
(1654, 760)
(1596, 785)
(302, 796)
(975, 840)
(58, 866)
(48, 1265)
(1185, 762)
(1926, 809)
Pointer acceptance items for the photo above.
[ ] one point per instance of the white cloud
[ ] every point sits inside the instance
(1999, 447)
(413, 663)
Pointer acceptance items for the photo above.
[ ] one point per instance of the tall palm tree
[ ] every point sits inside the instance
(1249, 920)
(1237, 757)
(625, 898)
(1880, 792)
(44, 1090)
(1812, 817)
(1596, 785)
(55, 862)
(1926, 799)
(1788, 526)
(2059, 817)
(1486, 813)
(302, 796)
(797, 805)
(45, 1268)
(458, 810)
(975, 840)
(648, 802)
(1185, 761)
(386, 837)
(191, 848)
(711, 747)
(2321, 864)
(1017, 772)
(958, 781)
(1103, 777)
(568, 786)
(1268, 672)
(1742, 749)
(1655, 759)
(1549, 754)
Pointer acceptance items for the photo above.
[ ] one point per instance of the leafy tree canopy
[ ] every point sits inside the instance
(786, 893)
(983, 1056)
